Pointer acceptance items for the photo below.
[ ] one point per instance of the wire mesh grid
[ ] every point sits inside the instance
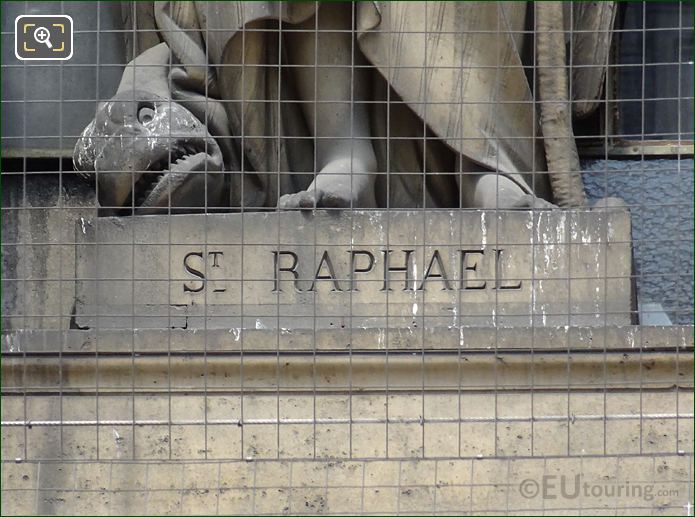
(267, 257)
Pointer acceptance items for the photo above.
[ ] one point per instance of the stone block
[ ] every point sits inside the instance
(18, 502)
(273, 501)
(38, 247)
(198, 502)
(355, 269)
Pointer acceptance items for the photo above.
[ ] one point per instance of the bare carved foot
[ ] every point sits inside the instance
(335, 187)
(527, 201)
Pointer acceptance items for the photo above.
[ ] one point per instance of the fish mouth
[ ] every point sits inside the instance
(186, 161)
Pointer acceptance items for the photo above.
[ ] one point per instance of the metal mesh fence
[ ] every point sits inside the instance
(374, 257)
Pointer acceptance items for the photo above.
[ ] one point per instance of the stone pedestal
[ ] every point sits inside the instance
(363, 362)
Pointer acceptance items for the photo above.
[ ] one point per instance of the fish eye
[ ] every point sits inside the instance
(146, 113)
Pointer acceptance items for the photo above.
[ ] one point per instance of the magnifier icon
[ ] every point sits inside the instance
(42, 35)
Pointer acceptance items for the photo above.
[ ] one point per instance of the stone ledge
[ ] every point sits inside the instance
(312, 373)
(234, 340)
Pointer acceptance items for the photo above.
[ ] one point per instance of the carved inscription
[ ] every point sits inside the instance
(396, 269)
(352, 268)
(195, 266)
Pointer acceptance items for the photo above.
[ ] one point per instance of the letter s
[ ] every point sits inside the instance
(193, 271)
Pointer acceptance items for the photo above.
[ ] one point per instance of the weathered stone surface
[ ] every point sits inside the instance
(400, 423)
(453, 486)
(38, 248)
(176, 422)
(336, 270)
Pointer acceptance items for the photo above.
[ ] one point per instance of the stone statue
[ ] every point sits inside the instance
(367, 104)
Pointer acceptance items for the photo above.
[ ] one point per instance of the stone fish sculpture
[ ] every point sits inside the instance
(443, 116)
(149, 150)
